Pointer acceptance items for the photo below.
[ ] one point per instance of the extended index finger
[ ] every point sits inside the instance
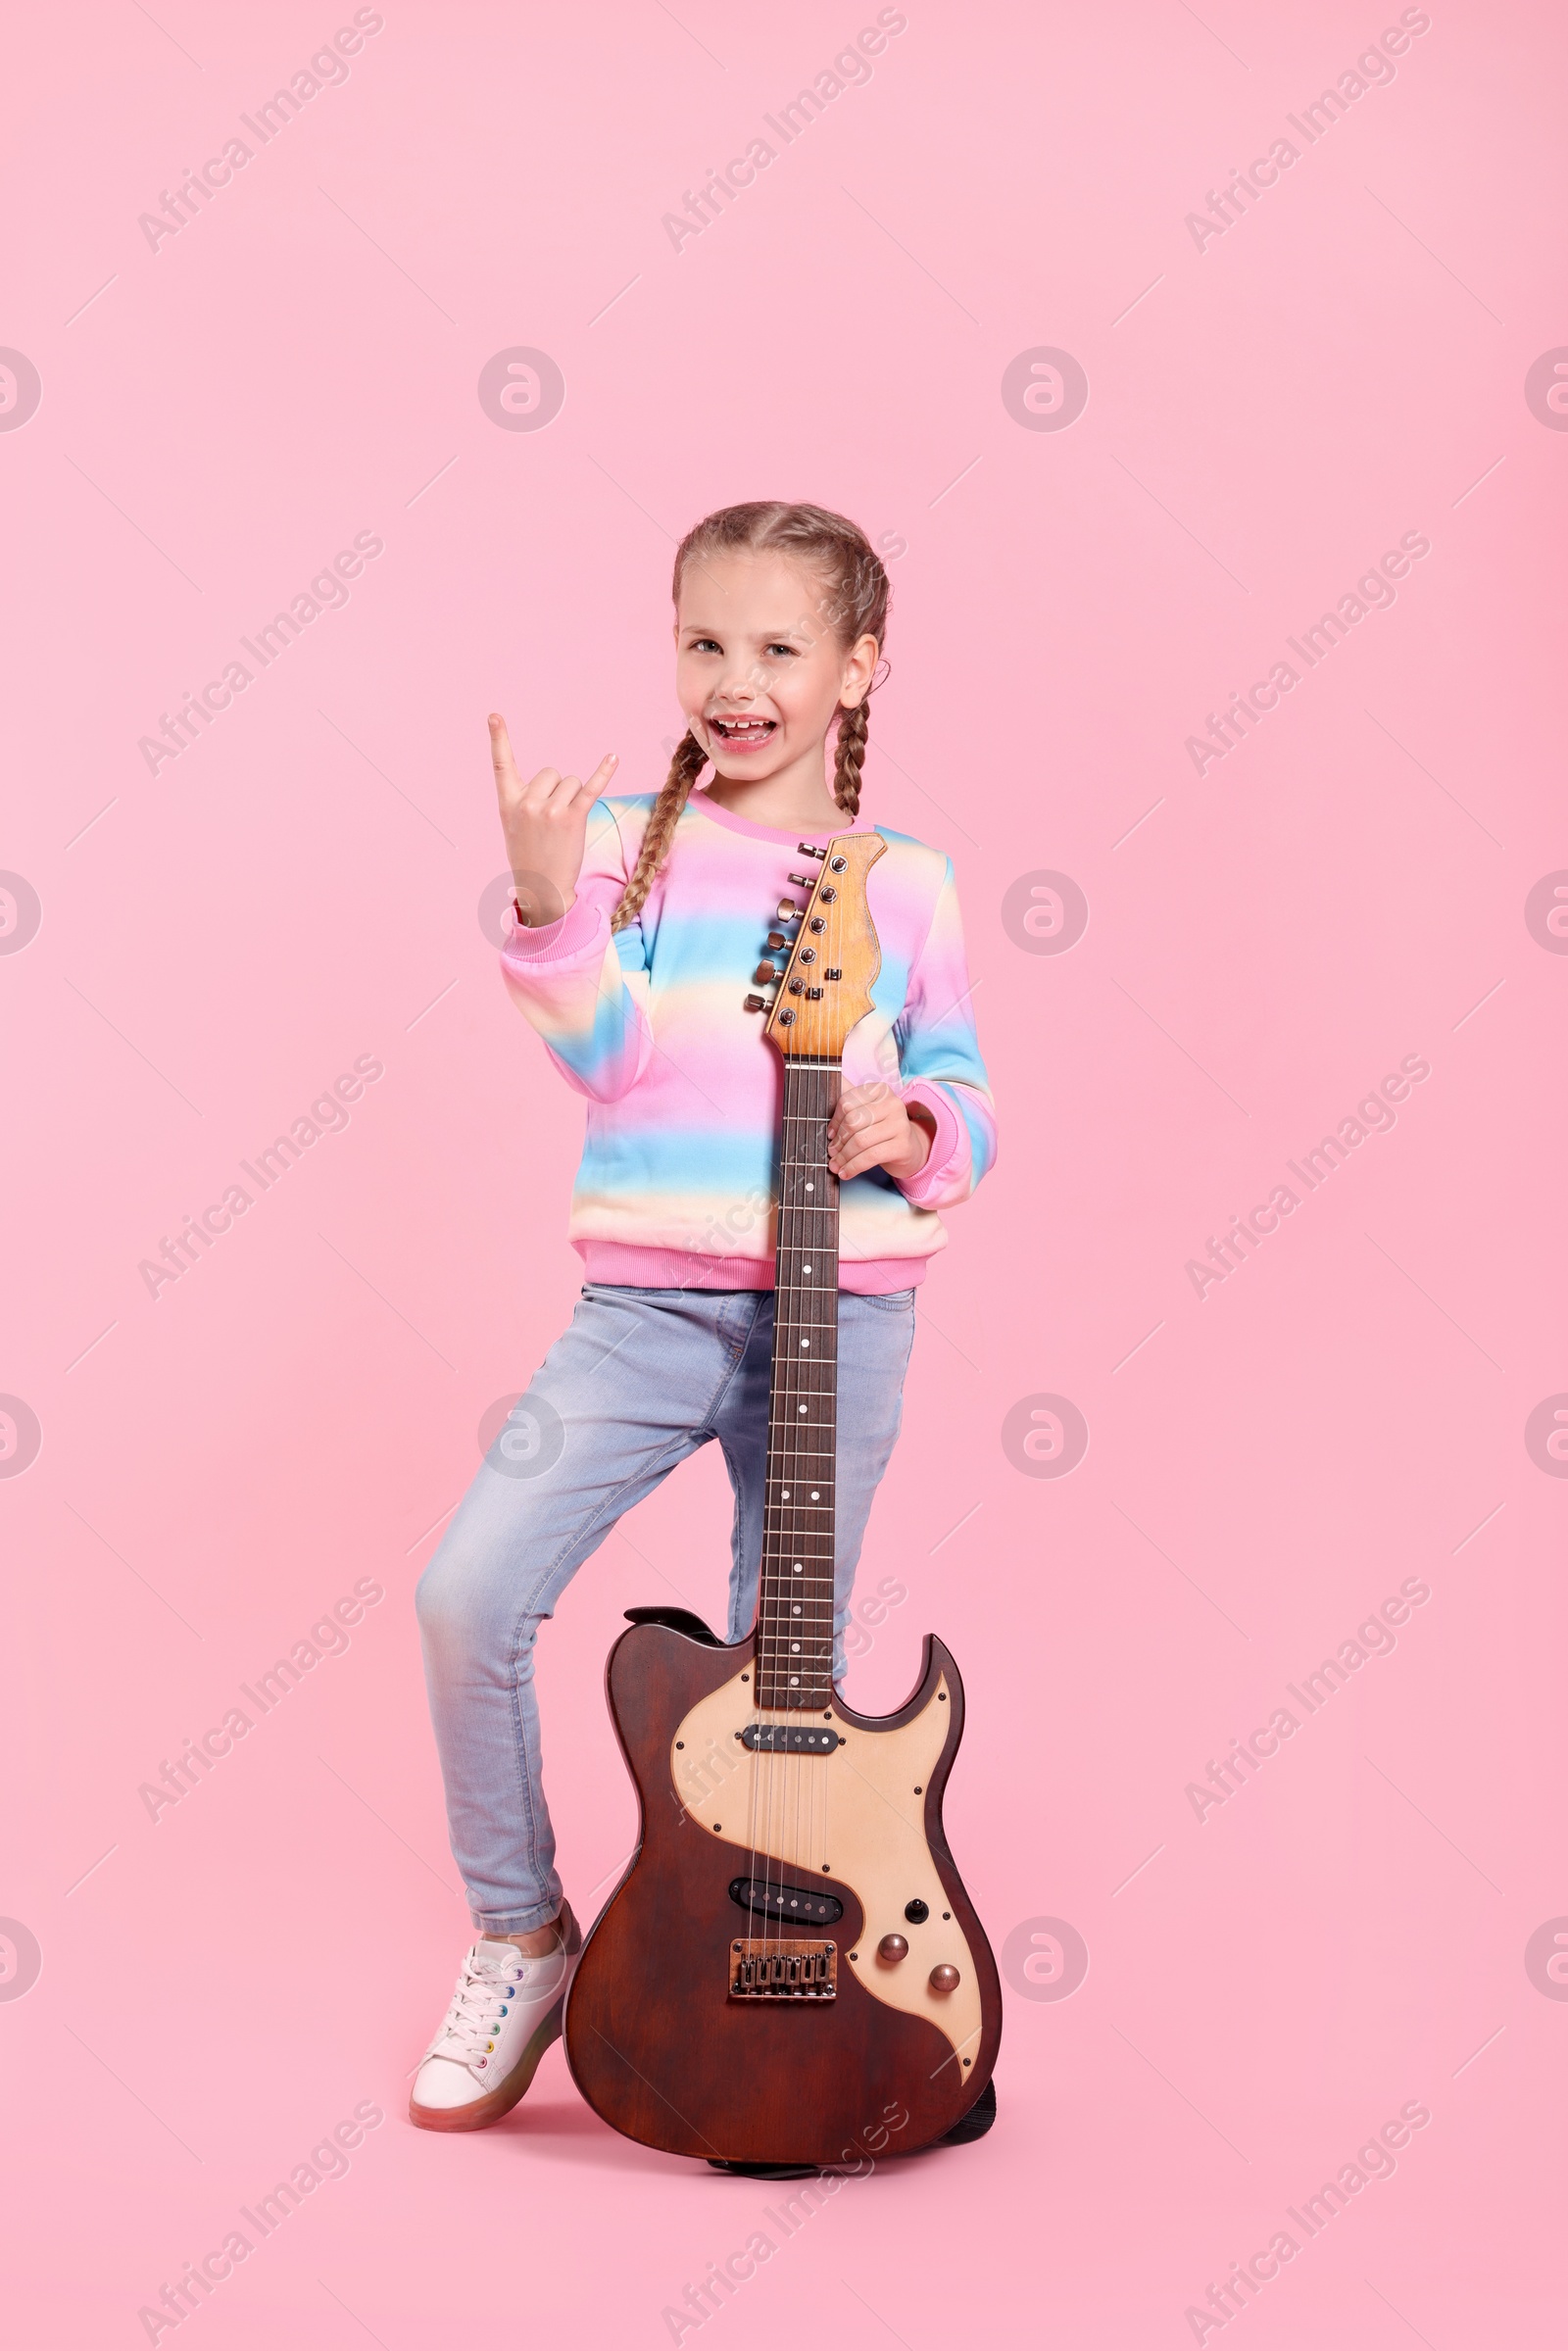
(500, 759)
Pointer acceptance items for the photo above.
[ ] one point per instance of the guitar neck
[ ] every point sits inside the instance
(795, 1607)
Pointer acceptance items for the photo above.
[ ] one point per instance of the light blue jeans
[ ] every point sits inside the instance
(640, 1379)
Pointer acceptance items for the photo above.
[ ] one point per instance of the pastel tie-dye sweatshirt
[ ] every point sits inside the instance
(675, 1189)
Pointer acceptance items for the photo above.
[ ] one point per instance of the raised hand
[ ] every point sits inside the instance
(544, 823)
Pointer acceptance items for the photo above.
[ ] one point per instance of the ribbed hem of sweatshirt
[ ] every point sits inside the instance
(625, 1267)
(929, 1185)
(553, 942)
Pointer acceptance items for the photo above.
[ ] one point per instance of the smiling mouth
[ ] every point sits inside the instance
(744, 734)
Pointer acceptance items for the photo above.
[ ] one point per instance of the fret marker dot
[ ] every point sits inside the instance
(797, 1567)
(811, 1187)
(795, 1612)
(795, 1647)
(795, 1680)
(816, 1497)
(799, 1408)
(805, 1343)
(805, 1269)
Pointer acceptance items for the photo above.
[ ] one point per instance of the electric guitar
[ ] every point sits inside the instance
(791, 1957)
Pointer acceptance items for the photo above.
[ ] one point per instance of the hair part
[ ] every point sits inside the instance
(852, 603)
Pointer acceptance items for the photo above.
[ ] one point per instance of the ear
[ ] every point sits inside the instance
(860, 668)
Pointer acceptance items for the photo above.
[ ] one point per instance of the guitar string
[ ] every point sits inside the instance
(787, 1798)
(782, 1437)
(836, 1092)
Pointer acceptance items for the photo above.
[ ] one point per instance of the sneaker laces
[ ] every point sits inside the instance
(483, 1997)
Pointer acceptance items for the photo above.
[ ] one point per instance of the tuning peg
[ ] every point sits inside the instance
(802, 881)
(787, 911)
(807, 851)
(777, 939)
(766, 974)
(755, 1003)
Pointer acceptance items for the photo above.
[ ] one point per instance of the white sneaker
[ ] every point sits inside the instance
(505, 2013)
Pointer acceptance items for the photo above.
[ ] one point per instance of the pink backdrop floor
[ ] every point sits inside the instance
(197, 946)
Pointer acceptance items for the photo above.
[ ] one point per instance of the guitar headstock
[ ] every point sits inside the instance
(833, 958)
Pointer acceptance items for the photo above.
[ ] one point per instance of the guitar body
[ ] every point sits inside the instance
(660, 2043)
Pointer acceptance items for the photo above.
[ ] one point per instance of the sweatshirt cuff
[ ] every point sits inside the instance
(553, 942)
(943, 1149)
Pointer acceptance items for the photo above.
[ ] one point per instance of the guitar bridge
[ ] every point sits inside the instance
(761, 1970)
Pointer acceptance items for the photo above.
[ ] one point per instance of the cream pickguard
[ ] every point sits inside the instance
(859, 1814)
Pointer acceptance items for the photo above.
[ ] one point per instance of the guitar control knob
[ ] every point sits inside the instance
(944, 1979)
(786, 910)
(893, 1949)
(917, 1912)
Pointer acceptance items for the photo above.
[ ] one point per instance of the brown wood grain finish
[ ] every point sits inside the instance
(654, 2041)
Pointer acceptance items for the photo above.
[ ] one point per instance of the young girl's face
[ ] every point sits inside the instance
(759, 672)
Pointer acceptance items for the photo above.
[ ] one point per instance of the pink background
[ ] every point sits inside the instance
(221, 938)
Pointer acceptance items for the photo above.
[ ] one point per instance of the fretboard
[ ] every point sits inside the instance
(794, 1609)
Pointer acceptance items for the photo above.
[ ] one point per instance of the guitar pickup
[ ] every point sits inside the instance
(759, 1970)
(787, 1902)
(788, 1738)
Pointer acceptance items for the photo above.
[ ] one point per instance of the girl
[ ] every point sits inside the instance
(638, 922)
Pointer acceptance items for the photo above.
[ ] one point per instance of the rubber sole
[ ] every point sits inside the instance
(479, 2113)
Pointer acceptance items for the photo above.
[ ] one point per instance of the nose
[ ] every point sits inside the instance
(736, 686)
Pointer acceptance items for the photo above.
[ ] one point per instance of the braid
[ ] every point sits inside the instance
(684, 769)
(849, 758)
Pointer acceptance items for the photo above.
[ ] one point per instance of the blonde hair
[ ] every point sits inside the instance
(854, 603)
